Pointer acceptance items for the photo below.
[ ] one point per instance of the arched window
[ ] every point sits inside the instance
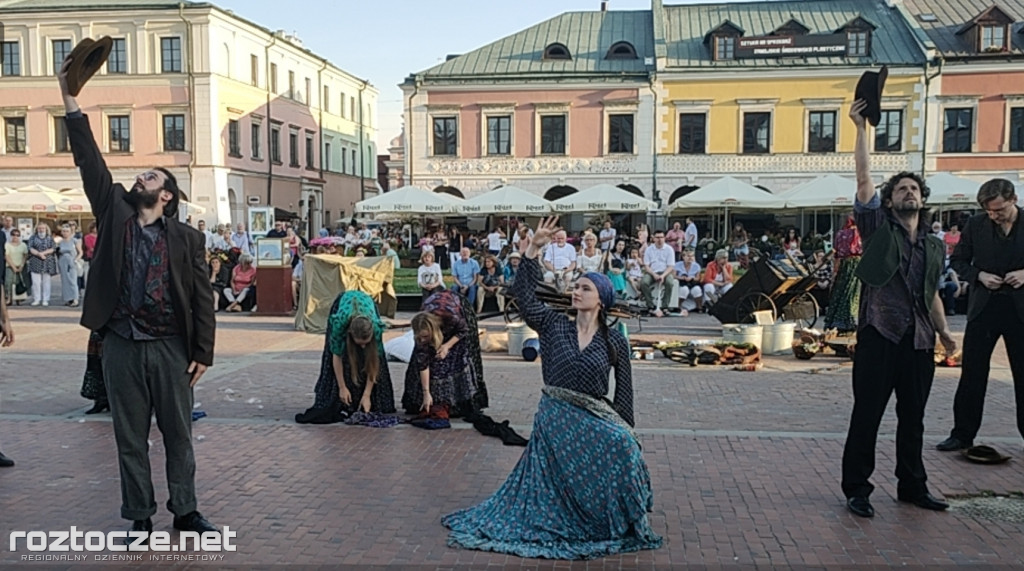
(621, 50)
(557, 51)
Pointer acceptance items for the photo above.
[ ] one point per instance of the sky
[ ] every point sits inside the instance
(386, 40)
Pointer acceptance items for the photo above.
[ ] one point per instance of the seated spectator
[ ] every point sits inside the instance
(717, 277)
(512, 267)
(219, 278)
(465, 271)
(659, 278)
(559, 262)
(297, 281)
(951, 288)
(489, 283)
(429, 275)
(634, 271)
(688, 276)
(243, 280)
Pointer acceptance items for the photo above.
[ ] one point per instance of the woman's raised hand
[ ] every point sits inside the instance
(542, 235)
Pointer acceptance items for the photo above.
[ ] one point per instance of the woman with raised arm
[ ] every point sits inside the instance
(354, 373)
(581, 489)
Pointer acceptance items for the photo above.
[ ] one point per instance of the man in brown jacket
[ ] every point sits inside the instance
(149, 295)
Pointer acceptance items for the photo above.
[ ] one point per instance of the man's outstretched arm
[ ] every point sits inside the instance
(96, 179)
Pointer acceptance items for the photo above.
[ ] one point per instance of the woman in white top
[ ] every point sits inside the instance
(429, 275)
(634, 270)
(590, 257)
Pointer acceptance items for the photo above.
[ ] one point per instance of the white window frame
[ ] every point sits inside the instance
(826, 105)
(161, 111)
(127, 64)
(904, 133)
(542, 110)
(14, 113)
(957, 102)
(257, 121)
(53, 114)
(487, 111)
(692, 107)
(21, 56)
(444, 112)
(108, 111)
(757, 106)
(1014, 101)
(627, 107)
(50, 51)
(981, 37)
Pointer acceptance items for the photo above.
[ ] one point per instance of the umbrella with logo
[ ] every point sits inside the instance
(603, 198)
(508, 201)
(408, 200)
(947, 188)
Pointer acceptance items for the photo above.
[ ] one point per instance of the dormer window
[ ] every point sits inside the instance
(858, 36)
(791, 28)
(557, 51)
(988, 32)
(993, 38)
(621, 50)
(725, 48)
(857, 43)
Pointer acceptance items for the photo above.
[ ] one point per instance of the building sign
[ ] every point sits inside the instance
(792, 46)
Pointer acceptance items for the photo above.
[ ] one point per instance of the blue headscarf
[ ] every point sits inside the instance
(605, 291)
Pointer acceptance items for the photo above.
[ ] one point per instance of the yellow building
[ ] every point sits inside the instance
(762, 91)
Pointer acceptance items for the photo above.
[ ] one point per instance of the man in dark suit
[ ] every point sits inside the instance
(153, 303)
(990, 257)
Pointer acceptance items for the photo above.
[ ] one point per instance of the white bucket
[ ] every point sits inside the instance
(518, 333)
(743, 333)
(778, 338)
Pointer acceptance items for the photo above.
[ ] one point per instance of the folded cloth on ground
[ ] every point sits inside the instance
(373, 419)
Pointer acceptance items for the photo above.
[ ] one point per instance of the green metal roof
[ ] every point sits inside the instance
(950, 17)
(48, 5)
(587, 35)
(686, 26)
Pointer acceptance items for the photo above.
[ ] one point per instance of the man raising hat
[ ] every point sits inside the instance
(153, 303)
(900, 312)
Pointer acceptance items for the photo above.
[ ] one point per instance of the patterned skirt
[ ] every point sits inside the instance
(581, 490)
(92, 383)
(841, 313)
(327, 404)
(457, 380)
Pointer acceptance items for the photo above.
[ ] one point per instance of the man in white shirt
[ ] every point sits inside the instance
(494, 241)
(559, 262)
(659, 269)
(691, 237)
(607, 236)
(241, 239)
(688, 276)
(207, 233)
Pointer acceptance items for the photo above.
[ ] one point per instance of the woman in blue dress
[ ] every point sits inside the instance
(581, 490)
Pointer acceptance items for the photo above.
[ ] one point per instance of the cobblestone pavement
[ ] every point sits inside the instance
(745, 466)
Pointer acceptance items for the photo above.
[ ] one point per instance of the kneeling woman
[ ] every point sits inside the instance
(446, 370)
(354, 353)
(581, 489)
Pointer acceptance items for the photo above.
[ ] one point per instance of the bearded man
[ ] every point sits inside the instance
(153, 305)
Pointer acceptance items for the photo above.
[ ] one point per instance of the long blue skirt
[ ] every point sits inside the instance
(581, 490)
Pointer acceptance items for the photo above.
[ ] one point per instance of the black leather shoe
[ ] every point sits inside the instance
(925, 500)
(5, 462)
(99, 407)
(953, 444)
(860, 506)
(145, 525)
(193, 522)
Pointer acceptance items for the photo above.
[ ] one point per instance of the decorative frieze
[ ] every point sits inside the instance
(788, 163)
(531, 166)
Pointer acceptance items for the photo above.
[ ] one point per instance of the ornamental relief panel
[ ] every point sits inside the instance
(491, 166)
(764, 164)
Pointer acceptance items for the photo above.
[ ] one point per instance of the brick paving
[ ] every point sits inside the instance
(745, 466)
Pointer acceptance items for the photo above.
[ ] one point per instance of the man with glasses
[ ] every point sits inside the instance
(659, 280)
(989, 257)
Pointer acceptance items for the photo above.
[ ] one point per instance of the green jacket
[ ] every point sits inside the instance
(883, 251)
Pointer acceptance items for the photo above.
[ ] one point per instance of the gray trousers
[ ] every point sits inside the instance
(143, 377)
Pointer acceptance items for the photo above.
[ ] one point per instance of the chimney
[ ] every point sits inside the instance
(604, 5)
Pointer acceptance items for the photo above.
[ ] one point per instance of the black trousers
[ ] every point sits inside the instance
(998, 319)
(879, 368)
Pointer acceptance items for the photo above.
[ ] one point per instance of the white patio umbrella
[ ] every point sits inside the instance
(729, 194)
(603, 198)
(947, 188)
(408, 200)
(30, 201)
(508, 201)
(829, 191)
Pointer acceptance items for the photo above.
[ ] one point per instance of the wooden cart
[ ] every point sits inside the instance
(778, 286)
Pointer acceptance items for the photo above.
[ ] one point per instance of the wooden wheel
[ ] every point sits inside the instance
(754, 302)
(512, 314)
(803, 310)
